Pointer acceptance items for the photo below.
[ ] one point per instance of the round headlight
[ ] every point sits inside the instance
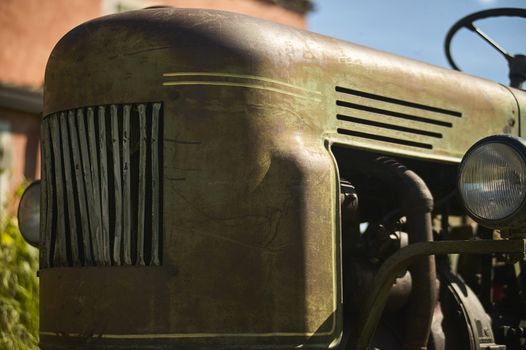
(29, 214)
(492, 181)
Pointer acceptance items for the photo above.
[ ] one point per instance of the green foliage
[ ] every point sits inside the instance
(18, 289)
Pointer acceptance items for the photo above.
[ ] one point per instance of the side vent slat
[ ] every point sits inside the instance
(393, 113)
(101, 186)
(366, 116)
(388, 126)
(397, 101)
(385, 139)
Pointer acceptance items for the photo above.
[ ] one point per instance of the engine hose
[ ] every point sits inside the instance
(417, 204)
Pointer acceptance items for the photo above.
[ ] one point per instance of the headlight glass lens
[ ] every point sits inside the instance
(29, 214)
(492, 181)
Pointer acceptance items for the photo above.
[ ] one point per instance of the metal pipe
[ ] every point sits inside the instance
(416, 203)
(424, 295)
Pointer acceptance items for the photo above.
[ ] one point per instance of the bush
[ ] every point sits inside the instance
(18, 289)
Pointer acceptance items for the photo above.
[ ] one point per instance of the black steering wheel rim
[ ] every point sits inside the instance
(467, 22)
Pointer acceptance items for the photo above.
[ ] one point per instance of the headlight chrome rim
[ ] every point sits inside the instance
(516, 217)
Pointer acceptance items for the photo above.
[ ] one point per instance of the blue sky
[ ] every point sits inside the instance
(417, 28)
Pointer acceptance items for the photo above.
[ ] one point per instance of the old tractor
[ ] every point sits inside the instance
(215, 181)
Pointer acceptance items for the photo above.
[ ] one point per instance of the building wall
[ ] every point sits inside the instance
(30, 29)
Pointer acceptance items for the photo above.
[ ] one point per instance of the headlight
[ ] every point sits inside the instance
(29, 214)
(492, 181)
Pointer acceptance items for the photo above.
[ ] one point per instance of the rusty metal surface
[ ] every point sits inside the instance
(372, 308)
(250, 239)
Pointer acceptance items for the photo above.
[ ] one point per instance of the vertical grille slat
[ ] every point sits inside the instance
(60, 255)
(155, 184)
(142, 185)
(126, 194)
(94, 227)
(117, 191)
(102, 244)
(81, 192)
(70, 198)
(47, 207)
(104, 198)
(92, 213)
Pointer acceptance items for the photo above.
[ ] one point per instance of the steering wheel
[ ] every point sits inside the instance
(517, 63)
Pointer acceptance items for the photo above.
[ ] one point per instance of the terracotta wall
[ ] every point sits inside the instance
(30, 29)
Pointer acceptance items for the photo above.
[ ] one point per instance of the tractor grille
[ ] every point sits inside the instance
(101, 179)
(366, 116)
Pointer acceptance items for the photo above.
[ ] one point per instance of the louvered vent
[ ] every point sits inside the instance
(368, 116)
(101, 178)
